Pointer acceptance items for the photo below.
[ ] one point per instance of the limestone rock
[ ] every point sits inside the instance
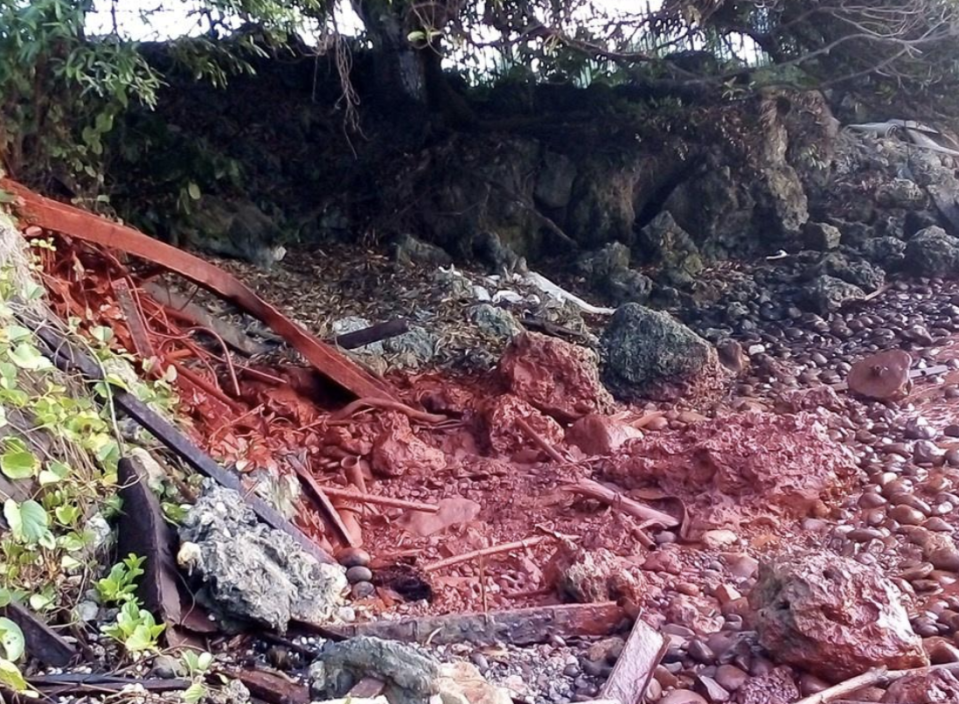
(495, 321)
(397, 450)
(901, 193)
(931, 252)
(554, 182)
(410, 251)
(608, 271)
(592, 576)
(648, 353)
(886, 252)
(234, 228)
(821, 236)
(250, 572)
(853, 271)
(558, 378)
(410, 675)
(505, 438)
(461, 683)
(827, 294)
(833, 616)
(938, 686)
(669, 245)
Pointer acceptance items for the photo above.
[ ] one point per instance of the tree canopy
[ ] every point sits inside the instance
(60, 89)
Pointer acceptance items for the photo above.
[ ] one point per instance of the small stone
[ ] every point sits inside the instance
(362, 590)
(359, 573)
(726, 593)
(478, 659)
(730, 677)
(166, 667)
(353, 557)
(945, 559)
(718, 539)
(700, 652)
(711, 689)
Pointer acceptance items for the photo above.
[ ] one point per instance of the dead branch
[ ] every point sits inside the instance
(384, 404)
(595, 490)
(874, 677)
(486, 552)
(539, 441)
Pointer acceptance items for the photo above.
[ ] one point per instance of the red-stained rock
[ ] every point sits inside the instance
(796, 400)
(556, 377)
(397, 451)
(778, 464)
(593, 576)
(937, 686)
(833, 617)
(776, 687)
(505, 436)
(600, 435)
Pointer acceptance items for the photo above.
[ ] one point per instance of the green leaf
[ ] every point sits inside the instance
(55, 472)
(194, 693)
(193, 190)
(18, 463)
(11, 637)
(11, 677)
(28, 357)
(28, 521)
(16, 333)
(67, 514)
(101, 333)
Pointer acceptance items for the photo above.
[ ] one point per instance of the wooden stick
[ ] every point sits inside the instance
(540, 441)
(361, 498)
(880, 676)
(595, 490)
(329, 512)
(486, 552)
(388, 405)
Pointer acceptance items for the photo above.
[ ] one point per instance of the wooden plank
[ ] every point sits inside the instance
(69, 359)
(59, 217)
(271, 687)
(516, 626)
(43, 643)
(634, 669)
(144, 532)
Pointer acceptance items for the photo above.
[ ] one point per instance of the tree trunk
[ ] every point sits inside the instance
(400, 69)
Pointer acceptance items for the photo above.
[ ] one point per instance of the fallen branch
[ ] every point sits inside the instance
(363, 498)
(514, 626)
(595, 490)
(387, 405)
(58, 217)
(539, 441)
(881, 676)
(330, 515)
(486, 552)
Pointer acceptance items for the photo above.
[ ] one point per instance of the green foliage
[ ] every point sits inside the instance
(14, 646)
(196, 665)
(120, 585)
(60, 93)
(135, 629)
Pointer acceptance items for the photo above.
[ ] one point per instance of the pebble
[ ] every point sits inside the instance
(478, 659)
(359, 573)
(945, 559)
(730, 677)
(362, 590)
(700, 652)
(353, 557)
(166, 667)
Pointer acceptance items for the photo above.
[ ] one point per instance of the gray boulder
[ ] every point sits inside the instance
(827, 293)
(643, 348)
(821, 236)
(249, 572)
(410, 251)
(409, 674)
(886, 252)
(236, 229)
(608, 271)
(665, 243)
(901, 193)
(554, 183)
(853, 271)
(932, 252)
(495, 321)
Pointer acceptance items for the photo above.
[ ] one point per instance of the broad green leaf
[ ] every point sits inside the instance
(11, 677)
(28, 357)
(193, 190)
(194, 693)
(11, 637)
(17, 332)
(67, 514)
(28, 521)
(19, 463)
